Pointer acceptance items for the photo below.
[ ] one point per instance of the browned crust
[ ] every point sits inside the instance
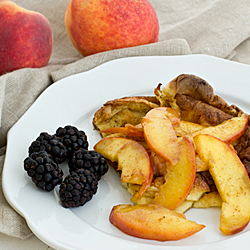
(131, 108)
(195, 99)
(200, 90)
(200, 112)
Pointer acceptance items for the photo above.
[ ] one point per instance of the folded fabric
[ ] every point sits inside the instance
(218, 27)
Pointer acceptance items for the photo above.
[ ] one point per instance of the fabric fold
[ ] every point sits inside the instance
(164, 48)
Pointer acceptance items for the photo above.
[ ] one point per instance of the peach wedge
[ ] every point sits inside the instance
(231, 180)
(179, 178)
(153, 222)
(132, 158)
(165, 112)
(228, 131)
(128, 130)
(160, 135)
(110, 146)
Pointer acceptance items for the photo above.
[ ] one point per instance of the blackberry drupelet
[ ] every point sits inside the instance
(72, 138)
(45, 173)
(89, 159)
(51, 144)
(78, 188)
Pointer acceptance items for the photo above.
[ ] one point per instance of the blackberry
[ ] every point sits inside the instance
(45, 173)
(88, 159)
(78, 188)
(72, 138)
(51, 144)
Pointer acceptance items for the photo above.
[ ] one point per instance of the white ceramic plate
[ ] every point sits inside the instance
(74, 100)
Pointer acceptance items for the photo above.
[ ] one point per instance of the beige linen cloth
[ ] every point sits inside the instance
(215, 27)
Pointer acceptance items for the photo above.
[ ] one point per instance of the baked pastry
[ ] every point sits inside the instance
(194, 98)
(127, 110)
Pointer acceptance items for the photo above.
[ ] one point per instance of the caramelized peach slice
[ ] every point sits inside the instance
(231, 180)
(179, 177)
(128, 130)
(133, 161)
(109, 147)
(165, 112)
(228, 131)
(160, 137)
(153, 222)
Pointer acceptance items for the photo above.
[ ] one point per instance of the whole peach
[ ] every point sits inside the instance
(100, 25)
(26, 38)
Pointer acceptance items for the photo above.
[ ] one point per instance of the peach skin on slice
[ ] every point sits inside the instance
(128, 130)
(161, 138)
(231, 180)
(179, 178)
(152, 222)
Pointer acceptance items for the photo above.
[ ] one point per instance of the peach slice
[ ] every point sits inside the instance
(160, 136)
(153, 222)
(128, 130)
(228, 131)
(109, 147)
(179, 177)
(133, 161)
(165, 112)
(231, 180)
(187, 128)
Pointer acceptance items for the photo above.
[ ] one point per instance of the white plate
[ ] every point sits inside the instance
(74, 100)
